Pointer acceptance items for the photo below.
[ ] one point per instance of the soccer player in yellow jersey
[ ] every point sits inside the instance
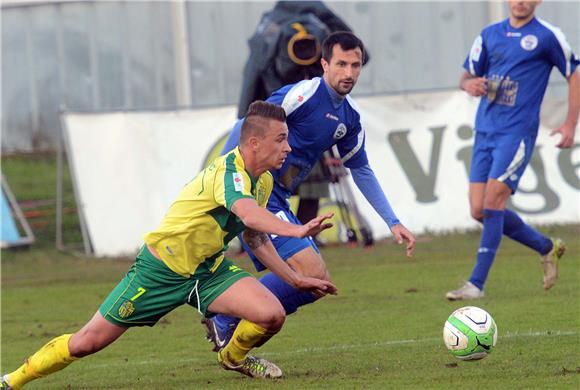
(182, 262)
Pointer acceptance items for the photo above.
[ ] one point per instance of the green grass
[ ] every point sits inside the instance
(32, 178)
(384, 330)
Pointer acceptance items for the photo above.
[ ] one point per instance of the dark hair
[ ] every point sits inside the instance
(346, 40)
(255, 122)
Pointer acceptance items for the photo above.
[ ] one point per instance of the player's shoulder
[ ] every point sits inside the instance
(300, 94)
(353, 108)
(549, 29)
(231, 161)
(352, 104)
(493, 27)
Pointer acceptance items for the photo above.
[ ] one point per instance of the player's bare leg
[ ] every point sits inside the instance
(94, 336)
(63, 350)
(310, 263)
(476, 196)
(306, 262)
(262, 317)
(487, 201)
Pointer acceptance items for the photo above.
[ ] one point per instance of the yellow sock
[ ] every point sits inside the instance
(246, 336)
(53, 356)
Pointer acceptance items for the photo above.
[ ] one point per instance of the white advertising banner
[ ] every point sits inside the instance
(420, 148)
(129, 166)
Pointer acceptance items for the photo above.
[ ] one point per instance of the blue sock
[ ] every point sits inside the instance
(518, 230)
(493, 221)
(225, 322)
(290, 297)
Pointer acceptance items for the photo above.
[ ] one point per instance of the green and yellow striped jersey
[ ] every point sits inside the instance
(199, 223)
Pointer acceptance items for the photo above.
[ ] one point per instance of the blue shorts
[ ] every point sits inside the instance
(503, 157)
(285, 246)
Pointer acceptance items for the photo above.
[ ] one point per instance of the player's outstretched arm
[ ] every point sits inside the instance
(568, 129)
(366, 181)
(260, 219)
(263, 249)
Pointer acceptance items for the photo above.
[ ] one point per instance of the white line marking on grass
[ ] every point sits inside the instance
(508, 335)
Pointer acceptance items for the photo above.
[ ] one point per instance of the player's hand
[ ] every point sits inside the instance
(476, 86)
(319, 287)
(315, 225)
(566, 132)
(401, 234)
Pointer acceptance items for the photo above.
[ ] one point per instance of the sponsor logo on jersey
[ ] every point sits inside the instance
(529, 42)
(330, 116)
(238, 182)
(502, 90)
(126, 309)
(340, 131)
(514, 34)
(300, 98)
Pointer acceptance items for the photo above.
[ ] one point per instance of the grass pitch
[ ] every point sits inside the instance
(384, 330)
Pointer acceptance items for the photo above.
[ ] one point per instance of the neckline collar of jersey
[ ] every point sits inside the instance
(335, 97)
(509, 25)
(239, 154)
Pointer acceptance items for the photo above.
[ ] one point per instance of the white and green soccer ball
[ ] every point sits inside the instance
(470, 333)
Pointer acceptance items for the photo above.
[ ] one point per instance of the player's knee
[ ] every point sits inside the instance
(477, 214)
(274, 320)
(495, 202)
(319, 273)
(314, 269)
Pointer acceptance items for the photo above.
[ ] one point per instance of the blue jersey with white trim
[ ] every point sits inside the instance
(517, 63)
(315, 125)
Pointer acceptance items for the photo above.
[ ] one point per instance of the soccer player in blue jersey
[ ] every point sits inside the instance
(509, 66)
(320, 114)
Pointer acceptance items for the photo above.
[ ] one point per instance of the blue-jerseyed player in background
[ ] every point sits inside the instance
(509, 66)
(320, 114)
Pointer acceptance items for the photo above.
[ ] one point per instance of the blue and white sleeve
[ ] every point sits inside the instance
(367, 183)
(234, 138)
(475, 63)
(560, 53)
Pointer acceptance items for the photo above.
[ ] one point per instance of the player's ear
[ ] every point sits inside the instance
(324, 64)
(254, 142)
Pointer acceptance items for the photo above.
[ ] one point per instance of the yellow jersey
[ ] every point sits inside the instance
(199, 223)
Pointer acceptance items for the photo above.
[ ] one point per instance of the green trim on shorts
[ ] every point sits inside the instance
(150, 290)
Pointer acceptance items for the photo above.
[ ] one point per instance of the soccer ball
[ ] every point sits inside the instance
(470, 333)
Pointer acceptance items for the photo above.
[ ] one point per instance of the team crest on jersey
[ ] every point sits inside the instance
(126, 309)
(529, 42)
(340, 131)
(238, 182)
